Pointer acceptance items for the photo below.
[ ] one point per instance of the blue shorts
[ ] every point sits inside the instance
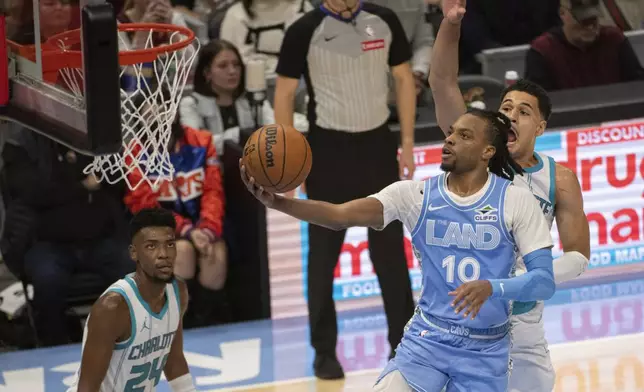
(430, 357)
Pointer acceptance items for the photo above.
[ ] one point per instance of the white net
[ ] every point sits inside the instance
(149, 105)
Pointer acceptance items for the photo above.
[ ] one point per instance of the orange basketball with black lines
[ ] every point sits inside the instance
(278, 157)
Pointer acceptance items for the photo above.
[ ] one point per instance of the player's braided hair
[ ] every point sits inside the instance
(499, 126)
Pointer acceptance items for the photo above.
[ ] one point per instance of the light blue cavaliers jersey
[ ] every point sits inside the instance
(457, 244)
(137, 363)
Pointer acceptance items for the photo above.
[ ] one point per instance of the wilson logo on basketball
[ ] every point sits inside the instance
(373, 45)
(271, 138)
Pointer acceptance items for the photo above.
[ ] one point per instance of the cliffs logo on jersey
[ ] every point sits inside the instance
(186, 186)
(486, 214)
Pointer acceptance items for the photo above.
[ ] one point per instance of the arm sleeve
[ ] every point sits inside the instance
(295, 45)
(532, 237)
(212, 199)
(569, 266)
(535, 285)
(400, 201)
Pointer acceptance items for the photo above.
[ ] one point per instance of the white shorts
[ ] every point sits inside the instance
(532, 369)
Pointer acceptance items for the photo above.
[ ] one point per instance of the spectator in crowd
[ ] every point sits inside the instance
(219, 103)
(55, 17)
(346, 50)
(581, 52)
(216, 16)
(76, 224)
(256, 27)
(626, 15)
(196, 197)
(419, 33)
(496, 23)
(149, 11)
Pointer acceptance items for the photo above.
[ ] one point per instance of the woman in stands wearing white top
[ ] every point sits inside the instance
(219, 103)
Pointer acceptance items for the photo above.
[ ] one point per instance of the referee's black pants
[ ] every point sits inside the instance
(348, 166)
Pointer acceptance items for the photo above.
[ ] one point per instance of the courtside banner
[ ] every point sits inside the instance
(608, 160)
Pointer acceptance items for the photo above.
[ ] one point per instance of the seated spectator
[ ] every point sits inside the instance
(55, 17)
(196, 198)
(256, 27)
(76, 225)
(581, 53)
(216, 16)
(496, 23)
(626, 15)
(219, 102)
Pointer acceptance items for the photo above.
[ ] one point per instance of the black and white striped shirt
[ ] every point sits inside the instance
(345, 64)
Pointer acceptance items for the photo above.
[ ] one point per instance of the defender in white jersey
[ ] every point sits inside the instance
(134, 331)
(555, 187)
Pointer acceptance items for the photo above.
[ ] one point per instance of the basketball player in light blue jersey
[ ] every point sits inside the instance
(556, 187)
(134, 332)
(465, 227)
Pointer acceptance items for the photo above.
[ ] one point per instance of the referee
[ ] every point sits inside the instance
(345, 49)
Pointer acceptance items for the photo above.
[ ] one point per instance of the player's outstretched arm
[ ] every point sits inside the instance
(532, 237)
(109, 323)
(176, 368)
(443, 76)
(376, 211)
(572, 226)
(366, 212)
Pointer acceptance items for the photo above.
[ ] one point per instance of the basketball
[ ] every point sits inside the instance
(278, 157)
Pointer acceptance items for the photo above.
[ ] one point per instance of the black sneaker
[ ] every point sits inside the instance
(327, 367)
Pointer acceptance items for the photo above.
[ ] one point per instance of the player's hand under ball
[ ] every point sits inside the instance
(260, 194)
(470, 297)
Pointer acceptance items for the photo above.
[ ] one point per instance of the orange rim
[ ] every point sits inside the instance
(55, 58)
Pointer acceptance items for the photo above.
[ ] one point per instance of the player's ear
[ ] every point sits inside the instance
(541, 128)
(488, 152)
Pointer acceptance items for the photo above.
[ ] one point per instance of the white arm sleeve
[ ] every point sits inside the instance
(525, 220)
(569, 266)
(401, 201)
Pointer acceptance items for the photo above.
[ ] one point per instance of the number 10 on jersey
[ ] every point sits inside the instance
(460, 268)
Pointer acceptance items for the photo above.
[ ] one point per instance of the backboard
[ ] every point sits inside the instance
(32, 91)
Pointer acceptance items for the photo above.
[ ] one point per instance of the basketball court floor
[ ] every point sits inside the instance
(596, 335)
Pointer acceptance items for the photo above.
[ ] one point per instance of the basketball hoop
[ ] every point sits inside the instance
(157, 75)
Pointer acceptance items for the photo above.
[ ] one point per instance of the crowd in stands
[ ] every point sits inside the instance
(61, 222)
